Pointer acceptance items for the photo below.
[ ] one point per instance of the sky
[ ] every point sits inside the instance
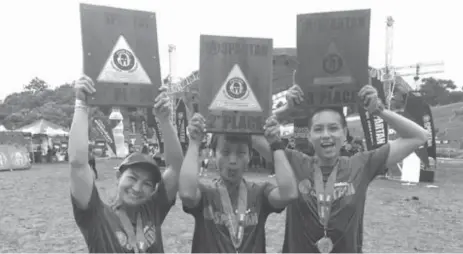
(42, 38)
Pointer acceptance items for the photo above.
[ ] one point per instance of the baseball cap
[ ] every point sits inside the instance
(138, 158)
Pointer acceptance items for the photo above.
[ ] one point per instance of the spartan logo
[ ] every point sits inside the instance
(124, 60)
(236, 88)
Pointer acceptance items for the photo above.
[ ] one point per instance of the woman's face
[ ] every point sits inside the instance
(327, 134)
(135, 186)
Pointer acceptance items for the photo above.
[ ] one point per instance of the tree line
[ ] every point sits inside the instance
(38, 100)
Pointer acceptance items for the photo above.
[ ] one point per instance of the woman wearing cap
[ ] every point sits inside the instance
(328, 215)
(230, 212)
(144, 196)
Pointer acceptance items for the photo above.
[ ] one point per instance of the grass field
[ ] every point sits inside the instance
(36, 215)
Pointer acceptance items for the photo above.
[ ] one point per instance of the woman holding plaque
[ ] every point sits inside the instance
(144, 195)
(328, 215)
(230, 212)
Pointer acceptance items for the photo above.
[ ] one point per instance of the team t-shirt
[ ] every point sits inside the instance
(211, 233)
(103, 231)
(345, 227)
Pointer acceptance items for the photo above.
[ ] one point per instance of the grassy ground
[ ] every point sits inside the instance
(36, 216)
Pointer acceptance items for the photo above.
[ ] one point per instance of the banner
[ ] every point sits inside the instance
(14, 157)
(301, 132)
(105, 130)
(428, 122)
(181, 123)
(418, 111)
(374, 127)
(153, 123)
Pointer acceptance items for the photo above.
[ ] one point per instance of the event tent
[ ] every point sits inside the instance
(43, 126)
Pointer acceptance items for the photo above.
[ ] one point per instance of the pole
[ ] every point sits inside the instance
(171, 65)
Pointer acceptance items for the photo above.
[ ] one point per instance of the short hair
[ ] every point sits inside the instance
(337, 110)
(234, 138)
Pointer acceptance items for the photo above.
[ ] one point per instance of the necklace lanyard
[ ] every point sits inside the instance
(236, 218)
(325, 194)
(136, 237)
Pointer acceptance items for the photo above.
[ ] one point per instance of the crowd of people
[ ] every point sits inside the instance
(323, 193)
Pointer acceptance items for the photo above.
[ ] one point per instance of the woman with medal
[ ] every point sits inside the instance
(230, 212)
(144, 195)
(328, 215)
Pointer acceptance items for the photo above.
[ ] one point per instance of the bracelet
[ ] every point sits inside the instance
(277, 145)
(81, 104)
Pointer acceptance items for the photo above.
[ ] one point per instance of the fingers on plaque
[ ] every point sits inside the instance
(163, 88)
(368, 100)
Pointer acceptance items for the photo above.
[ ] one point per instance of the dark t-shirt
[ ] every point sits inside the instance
(345, 227)
(211, 234)
(103, 231)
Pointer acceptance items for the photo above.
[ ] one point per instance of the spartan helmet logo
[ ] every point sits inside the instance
(236, 88)
(124, 60)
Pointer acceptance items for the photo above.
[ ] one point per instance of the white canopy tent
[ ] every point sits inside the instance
(43, 126)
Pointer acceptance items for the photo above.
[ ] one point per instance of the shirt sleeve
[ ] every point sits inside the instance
(85, 217)
(298, 161)
(267, 208)
(198, 209)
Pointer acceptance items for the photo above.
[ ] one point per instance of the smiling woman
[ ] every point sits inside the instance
(332, 187)
(144, 195)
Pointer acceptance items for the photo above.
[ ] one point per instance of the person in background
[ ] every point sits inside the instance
(145, 149)
(144, 194)
(131, 148)
(230, 213)
(328, 215)
(203, 161)
(92, 161)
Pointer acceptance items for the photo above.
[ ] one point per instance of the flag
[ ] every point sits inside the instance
(375, 129)
(105, 130)
(418, 111)
(153, 122)
(181, 121)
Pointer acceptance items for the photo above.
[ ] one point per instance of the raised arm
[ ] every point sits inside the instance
(294, 96)
(286, 190)
(411, 135)
(172, 148)
(189, 191)
(82, 179)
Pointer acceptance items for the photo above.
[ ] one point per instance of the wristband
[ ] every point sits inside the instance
(80, 104)
(277, 145)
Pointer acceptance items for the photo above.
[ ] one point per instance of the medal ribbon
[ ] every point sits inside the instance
(136, 238)
(236, 218)
(325, 194)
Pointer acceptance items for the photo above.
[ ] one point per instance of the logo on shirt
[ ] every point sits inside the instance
(220, 218)
(341, 189)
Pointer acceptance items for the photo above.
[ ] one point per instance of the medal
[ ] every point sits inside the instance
(325, 245)
(136, 236)
(236, 218)
(325, 198)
